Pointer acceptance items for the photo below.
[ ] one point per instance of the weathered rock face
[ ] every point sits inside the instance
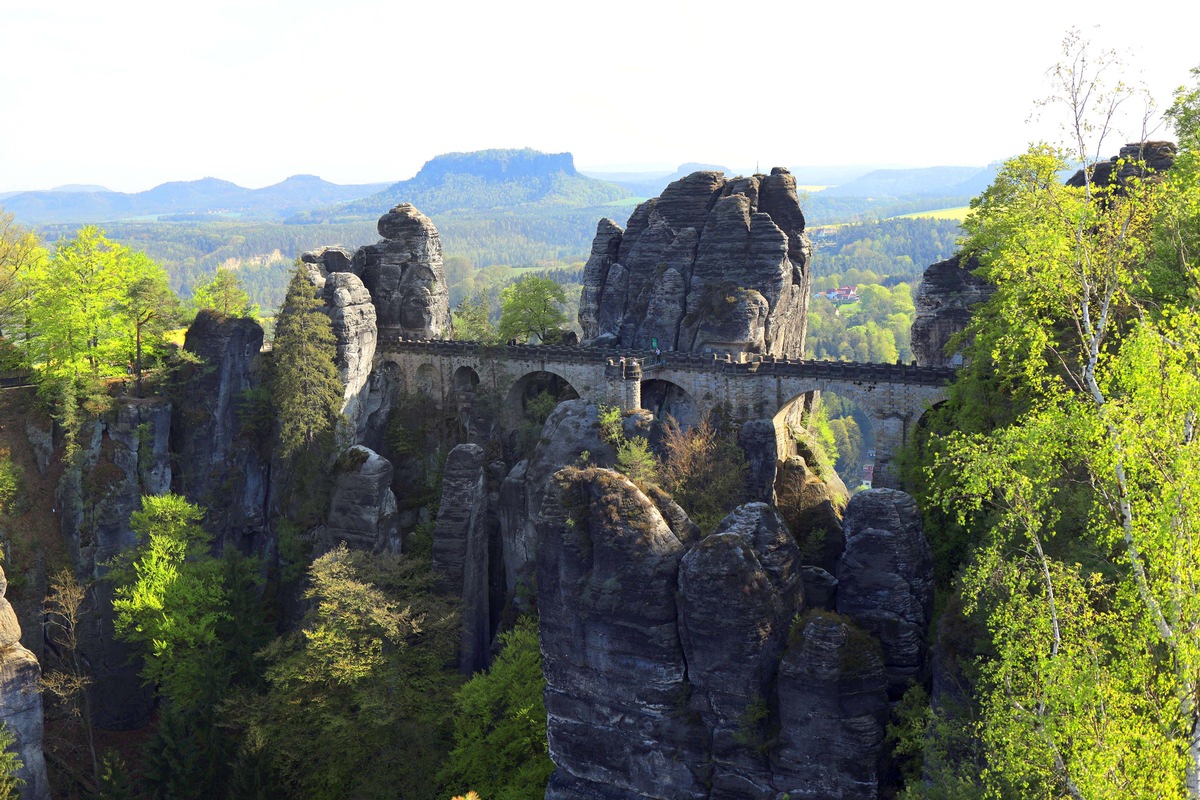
(325, 260)
(833, 707)
(811, 496)
(461, 550)
(405, 277)
(123, 456)
(674, 669)
(572, 428)
(739, 590)
(1157, 157)
(885, 579)
(616, 691)
(362, 509)
(943, 303)
(21, 702)
(349, 306)
(711, 264)
(219, 465)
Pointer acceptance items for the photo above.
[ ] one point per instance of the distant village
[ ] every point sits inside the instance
(841, 295)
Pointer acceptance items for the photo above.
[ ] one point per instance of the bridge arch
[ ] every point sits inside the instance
(529, 386)
(466, 379)
(663, 397)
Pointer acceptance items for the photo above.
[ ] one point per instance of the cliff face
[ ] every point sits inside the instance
(711, 264)
(948, 291)
(21, 702)
(220, 465)
(681, 667)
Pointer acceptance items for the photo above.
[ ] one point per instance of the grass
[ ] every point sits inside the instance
(958, 214)
(629, 202)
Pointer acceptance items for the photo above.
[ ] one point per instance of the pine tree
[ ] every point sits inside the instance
(305, 382)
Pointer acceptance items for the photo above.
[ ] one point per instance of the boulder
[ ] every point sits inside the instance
(885, 580)
(460, 550)
(21, 702)
(713, 264)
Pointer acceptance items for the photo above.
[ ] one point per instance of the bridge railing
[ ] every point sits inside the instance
(652, 362)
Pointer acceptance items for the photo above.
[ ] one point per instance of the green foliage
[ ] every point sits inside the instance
(225, 294)
(500, 723)
(532, 308)
(472, 319)
(1082, 503)
(10, 762)
(636, 461)
(704, 469)
(355, 703)
(11, 481)
(304, 379)
(169, 599)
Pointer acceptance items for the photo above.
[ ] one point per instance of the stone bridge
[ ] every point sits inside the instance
(688, 386)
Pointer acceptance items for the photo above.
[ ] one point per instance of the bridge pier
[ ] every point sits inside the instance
(623, 384)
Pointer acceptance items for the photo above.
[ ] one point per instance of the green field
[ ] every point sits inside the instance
(958, 214)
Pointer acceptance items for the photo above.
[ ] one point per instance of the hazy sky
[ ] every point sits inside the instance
(131, 93)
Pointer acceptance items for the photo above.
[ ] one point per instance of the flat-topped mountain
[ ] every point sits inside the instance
(482, 181)
(201, 198)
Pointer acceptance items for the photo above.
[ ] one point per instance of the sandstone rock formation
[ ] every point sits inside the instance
(811, 496)
(739, 590)
(461, 550)
(21, 702)
(362, 509)
(405, 277)
(943, 303)
(713, 263)
(1136, 159)
(616, 690)
(885, 579)
(349, 306)
(676, 667)
(122, 457)
(219, 460)
(832, 713)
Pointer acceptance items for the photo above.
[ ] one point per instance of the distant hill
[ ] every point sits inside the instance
(80, 187)
(651, 184)
(484, 181)
(207, 197)
(906, 182)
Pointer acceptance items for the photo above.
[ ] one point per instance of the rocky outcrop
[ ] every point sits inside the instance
(616, 689)
(833, 708)
(885, 579)
(572, 429)
(219, 447)
(461, 550)
(712, 264)
(674, 667)
(405, 277)
(122, 457)
(362, 509)
(811, 496)
(948, 291)
(349, 306)
(739, 590)
(1136, 160)
(21, 702)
